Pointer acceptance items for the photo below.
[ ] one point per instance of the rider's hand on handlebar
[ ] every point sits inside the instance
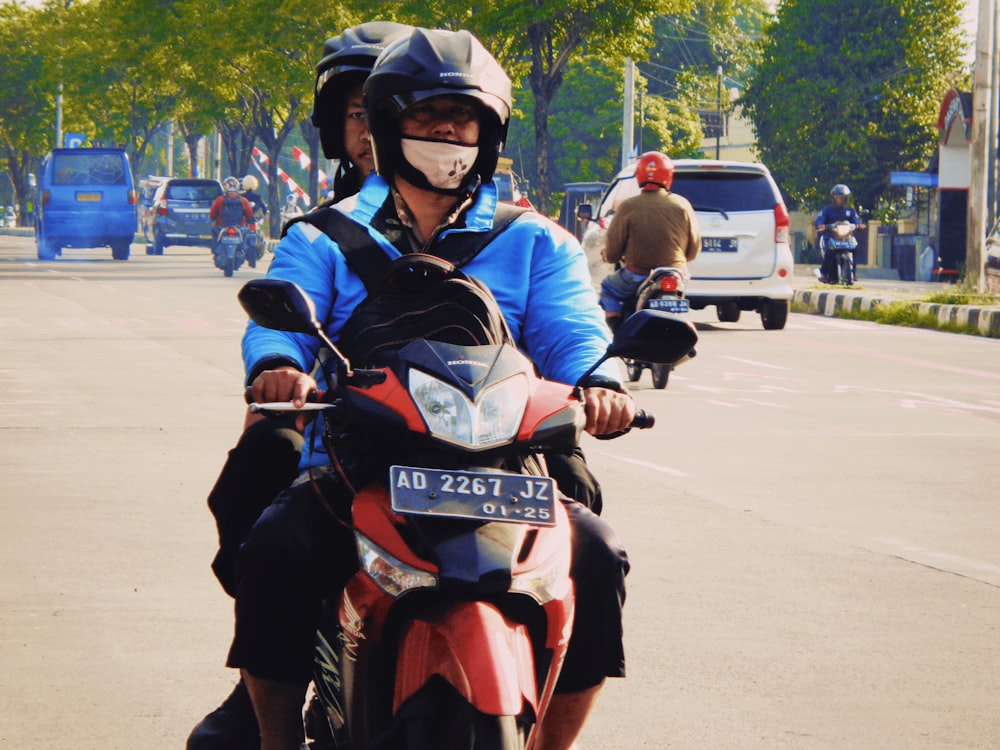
(282, 384)
(607, 411)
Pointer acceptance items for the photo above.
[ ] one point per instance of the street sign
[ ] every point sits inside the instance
(75, 140)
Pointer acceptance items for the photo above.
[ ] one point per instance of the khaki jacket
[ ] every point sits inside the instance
(653, 229)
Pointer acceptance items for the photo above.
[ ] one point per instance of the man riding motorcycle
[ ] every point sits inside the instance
(438, 107)
(230, 209)
(837, 211)
(653, 229)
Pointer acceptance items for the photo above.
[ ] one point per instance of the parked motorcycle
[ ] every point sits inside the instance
(662, 290)
(232, 248)
(451, 635)
(840, 239)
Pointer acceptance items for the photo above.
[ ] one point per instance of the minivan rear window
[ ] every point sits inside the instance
(727, 190)
(88, 169)
(193, 192)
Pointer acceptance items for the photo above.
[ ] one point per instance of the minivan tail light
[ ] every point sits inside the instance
(782, 225)
(46, 197)
(161, 208)
(131, 197)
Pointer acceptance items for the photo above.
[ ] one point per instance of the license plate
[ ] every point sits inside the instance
(669, 304)
(719, 245)
(485, 496)
(88, 197)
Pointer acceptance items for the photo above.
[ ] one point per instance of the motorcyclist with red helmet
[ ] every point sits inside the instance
(653, 229)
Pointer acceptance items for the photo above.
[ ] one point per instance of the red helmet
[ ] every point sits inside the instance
(654, 171)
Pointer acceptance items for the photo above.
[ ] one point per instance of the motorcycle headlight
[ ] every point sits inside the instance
(493, 419)
(392, 576)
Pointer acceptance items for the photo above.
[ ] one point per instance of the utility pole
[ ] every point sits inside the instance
(718, 113)
(983, 110)
(59, 117)
(628, 112)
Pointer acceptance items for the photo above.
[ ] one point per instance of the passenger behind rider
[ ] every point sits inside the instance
(229, 209)
(266, 458)
(255, 199)
(652, 229)
(437, 139)
(837, 210)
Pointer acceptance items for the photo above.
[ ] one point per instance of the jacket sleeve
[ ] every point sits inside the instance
(694, 236)
(306, 258)
(564, 331)
(616, 238)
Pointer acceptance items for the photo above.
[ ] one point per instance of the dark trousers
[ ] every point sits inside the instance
(263, 463)
(298, 553)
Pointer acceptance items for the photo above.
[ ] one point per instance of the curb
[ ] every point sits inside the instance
(984, 319)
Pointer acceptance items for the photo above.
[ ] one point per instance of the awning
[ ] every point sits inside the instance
(913, 179)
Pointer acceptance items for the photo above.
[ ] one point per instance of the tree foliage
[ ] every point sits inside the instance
(129, 67)
(849, 90)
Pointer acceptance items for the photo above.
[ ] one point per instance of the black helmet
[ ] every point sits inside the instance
(841, 190)
(346, 62)
(431, 63)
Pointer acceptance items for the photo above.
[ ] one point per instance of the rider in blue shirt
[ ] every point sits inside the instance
(838, 210)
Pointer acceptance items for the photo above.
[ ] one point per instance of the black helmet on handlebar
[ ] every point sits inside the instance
(431, 63)
(346, 62)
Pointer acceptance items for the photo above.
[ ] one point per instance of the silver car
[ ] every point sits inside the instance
(746, 261)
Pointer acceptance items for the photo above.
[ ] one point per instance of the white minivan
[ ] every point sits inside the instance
(746, 260)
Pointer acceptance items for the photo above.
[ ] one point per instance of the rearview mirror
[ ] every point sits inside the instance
(281, 305)
(654, 336)
(585, 212)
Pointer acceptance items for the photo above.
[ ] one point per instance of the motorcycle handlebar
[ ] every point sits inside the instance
(643, 420)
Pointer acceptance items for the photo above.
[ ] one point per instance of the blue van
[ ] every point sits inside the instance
(86, 198)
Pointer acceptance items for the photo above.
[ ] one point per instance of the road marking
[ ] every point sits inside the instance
(912, 400)
(754, 362)
(644, 464)
(908, 551)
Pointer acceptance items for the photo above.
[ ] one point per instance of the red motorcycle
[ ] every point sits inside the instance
(452, 633)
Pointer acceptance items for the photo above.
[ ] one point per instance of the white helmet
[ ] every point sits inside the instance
(230, 184)
(250, 182)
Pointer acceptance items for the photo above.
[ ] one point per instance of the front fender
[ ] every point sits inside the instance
(486, 657)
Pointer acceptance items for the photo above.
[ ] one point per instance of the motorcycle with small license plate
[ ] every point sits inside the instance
(662, 290)
(232, 248)
(452, 632)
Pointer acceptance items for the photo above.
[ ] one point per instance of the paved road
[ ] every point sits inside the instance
(813, 523)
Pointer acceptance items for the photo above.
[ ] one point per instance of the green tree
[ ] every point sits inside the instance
(257, 83)
(538, 39)
(117, 48)
(849, 90)
(27, 101)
